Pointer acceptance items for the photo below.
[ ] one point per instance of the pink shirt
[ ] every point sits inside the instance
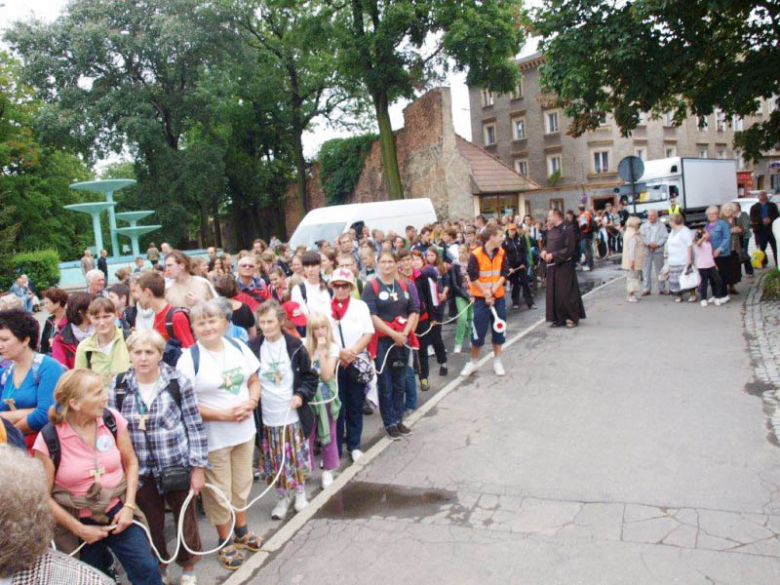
(704, 257)
(77, 459)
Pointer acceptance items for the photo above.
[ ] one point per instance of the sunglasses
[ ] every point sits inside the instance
(341, 285)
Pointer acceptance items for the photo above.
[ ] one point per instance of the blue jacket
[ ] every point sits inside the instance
(720, 237)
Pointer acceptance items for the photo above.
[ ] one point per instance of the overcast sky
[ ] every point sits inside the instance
(12, 10)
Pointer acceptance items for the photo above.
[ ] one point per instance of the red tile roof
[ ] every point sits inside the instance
(489, 174)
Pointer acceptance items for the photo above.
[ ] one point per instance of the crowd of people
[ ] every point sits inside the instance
(233, 368)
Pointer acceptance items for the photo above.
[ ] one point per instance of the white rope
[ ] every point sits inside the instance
(455, 318)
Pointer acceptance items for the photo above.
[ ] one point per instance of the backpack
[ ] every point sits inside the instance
(49, 434)
(125, 333)
(303, 293)
(375, 285)
(195, 353)
(120, 387)
(173, 347)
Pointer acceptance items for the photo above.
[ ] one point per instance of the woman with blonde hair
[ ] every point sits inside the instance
(92, 473)
(324, 354)
(633, 258)
(169, 439)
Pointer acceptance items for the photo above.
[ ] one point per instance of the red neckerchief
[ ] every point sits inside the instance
(339, 308)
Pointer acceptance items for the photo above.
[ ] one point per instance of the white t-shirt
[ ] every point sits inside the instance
(355, 324)
(106, 350)
(148, 392)
(677, 245)
(317, 298)
(221, 384)
(276, 380)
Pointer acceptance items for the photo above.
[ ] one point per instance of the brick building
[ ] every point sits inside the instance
(459, 177)
(527, 130)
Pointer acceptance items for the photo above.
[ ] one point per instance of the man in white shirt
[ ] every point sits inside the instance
(654, 235)
(352, 331)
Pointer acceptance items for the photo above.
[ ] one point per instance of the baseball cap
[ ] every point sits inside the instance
(342, 275)
(294, 313)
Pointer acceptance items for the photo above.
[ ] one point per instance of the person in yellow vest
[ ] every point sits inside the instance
(488, 270)
(673, 207)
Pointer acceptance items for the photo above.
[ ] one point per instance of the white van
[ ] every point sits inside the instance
(328, 223)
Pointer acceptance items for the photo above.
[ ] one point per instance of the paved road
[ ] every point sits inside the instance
(625, 451)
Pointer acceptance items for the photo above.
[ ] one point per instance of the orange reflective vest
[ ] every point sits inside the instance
(489, 271)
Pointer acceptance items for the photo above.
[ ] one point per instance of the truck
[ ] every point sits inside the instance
(697, 183)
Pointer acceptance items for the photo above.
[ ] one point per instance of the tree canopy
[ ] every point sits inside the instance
(657, 56)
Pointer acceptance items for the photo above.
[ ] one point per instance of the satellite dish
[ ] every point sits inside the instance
(631, 169)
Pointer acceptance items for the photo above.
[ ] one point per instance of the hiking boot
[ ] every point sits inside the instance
(280, 509)
(394, 433)
(403, 429)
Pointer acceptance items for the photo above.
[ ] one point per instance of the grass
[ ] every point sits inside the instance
(772, 286)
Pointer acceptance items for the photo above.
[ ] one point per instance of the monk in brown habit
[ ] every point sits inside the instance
(564, 302)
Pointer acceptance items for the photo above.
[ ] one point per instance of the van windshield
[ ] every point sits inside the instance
(307, 235)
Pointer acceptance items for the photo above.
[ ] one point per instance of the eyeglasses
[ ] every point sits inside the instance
(252, 266)
(341, 285)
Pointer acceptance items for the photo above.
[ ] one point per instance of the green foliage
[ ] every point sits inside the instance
(341, 164)
(41, 266)
(396, 49)
(553, 179)
(659, 56)
(34, 178)
(771, 286)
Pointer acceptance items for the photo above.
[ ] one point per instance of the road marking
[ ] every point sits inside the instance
(247, 572)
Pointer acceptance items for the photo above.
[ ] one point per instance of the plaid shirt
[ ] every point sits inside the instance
(173, 436)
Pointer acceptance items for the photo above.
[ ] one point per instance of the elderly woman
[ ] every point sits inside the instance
(730, 265)
(679, 255)
(26, 529)
(633, 258)
(77, 329)
(720, 239)
(289, 383)
(169, 439)
(228, 391)
(104, 352)
(92, 474)
(28, 382)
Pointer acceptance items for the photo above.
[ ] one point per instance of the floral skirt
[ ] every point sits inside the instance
(296, 461)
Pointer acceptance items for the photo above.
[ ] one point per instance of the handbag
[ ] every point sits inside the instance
(361, 370)
(175, 479)
(689, 278)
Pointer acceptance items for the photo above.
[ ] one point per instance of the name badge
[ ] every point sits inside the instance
(104, 443)
(383, 296)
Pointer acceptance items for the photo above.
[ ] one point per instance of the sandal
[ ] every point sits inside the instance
(570, 324)
(230, 558)
(250, 541)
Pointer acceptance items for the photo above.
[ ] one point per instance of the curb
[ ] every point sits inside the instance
(246, 573)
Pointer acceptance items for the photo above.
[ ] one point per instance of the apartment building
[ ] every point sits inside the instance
(526, 130)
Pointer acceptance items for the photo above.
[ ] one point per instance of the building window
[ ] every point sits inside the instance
(703, 152)
(640, 153)
(601, 161)
(720, 121)
(487, 98)
(553, 164)
(518, 128)
(721, 153)
(671, 151)
(773, 104)
(490, 134)
(740, 160)
(703, 123)
(556, 204)
(518, 92)
(521, 167)
(551, 122)
(669, 118)
(736, 123)
(603, 120)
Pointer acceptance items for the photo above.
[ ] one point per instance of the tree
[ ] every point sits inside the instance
(396, 48)
(34, 179)
(296, 42)
(129, 73)
(659, 56)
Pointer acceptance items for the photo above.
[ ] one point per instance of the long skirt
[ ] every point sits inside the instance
(296, 462)
(674, 279)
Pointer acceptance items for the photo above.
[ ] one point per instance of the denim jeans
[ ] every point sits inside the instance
(410, 389)
(131, 547)
(351, 414)
(586, 247)
(392, 383)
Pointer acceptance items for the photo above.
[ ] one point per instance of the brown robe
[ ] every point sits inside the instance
(563, 291)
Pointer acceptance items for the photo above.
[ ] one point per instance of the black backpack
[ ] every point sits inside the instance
(173, 347)
(120, 387)
(195, 352)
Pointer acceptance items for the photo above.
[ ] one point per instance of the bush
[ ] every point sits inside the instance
(772, 286)
(342, 161)
(41, 266)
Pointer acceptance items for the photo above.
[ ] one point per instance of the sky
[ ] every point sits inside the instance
(13, 10)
